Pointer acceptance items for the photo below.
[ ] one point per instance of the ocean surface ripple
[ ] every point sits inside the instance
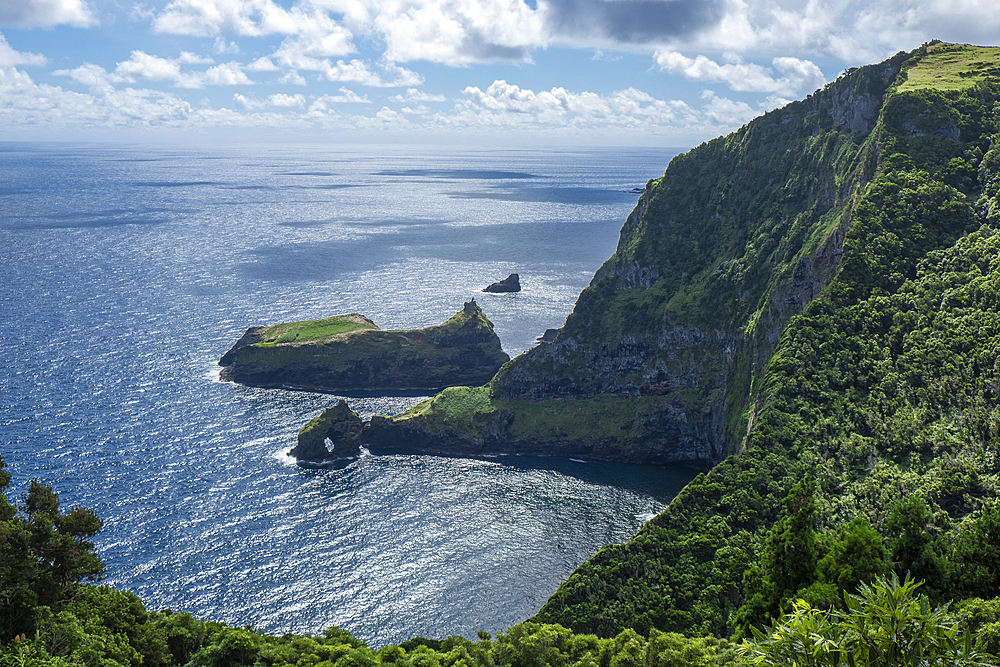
(129, 270)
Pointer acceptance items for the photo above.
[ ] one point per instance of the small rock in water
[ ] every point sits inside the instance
(509, 284)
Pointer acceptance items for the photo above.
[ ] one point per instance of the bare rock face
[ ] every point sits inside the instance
(509, 284)
(340, 425)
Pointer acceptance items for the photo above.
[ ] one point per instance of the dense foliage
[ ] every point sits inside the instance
(885, 624)
(884, 391)
(44, 554)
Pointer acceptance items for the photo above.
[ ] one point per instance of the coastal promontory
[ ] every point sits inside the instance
(350, 353)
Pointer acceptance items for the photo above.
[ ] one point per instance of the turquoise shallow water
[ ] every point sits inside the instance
(128, 271)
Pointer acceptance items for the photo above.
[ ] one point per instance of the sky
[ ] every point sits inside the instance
(490, 72)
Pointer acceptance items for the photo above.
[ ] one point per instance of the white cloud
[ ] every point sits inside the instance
(464, 32)
(188, 58)
(26, 104)
(357, 71)
(283, 100)
(142, 65)
(89, 75)
(45, 13)
(508, 105)
(415, 95)
(453, 32)
(726, 112)
(459, 32)
(796, 75)
(857, 31)
(262, 64)
(226, 74)
(221, 46)
(346, 96)
(280, 100)
(293, 78)
(245, 102)
(142, 12)
(208, 18)
(601, 55)
(390, 117)
(10, 57)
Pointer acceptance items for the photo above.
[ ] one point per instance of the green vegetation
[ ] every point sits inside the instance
(883, 390)
(887, 624)
(310, 331)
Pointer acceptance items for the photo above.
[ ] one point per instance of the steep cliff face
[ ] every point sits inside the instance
(883, 389)
(349, 352)
(737, 236)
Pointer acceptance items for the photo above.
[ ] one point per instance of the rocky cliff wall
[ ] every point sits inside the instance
(738, 236)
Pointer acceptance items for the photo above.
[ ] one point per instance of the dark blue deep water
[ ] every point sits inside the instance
(127, 272)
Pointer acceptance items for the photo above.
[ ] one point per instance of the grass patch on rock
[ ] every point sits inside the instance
(310, 331)
(951, 67)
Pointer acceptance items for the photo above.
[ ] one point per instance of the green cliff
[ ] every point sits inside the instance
(350, 353)
(810, 297)
(658, 360)
(884, 390)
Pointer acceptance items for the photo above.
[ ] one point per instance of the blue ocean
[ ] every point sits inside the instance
(127, 271)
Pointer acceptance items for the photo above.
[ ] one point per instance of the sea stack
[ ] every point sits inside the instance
(350, 353)
(340, 425)
(509, 284)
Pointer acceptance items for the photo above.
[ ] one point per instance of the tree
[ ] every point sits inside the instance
(912, 545)
(886, 625)
(44, 554)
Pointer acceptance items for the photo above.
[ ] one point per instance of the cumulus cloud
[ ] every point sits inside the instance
(507, 104)
(221, 46)
(415, 95)
(858, 31)
(358, 71)
(45, 13)
(726, 112)
(226, 74)
(454, 32)
(283, 100)
(142, 65)
(796, 75)
(43, 106)
(346, 96)
(87, 74)
(293, 78)
(388, 116)
(9, 57)
(459, 32)
(262, 64)
(280, 100)
(463, 32)
(207, 18)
